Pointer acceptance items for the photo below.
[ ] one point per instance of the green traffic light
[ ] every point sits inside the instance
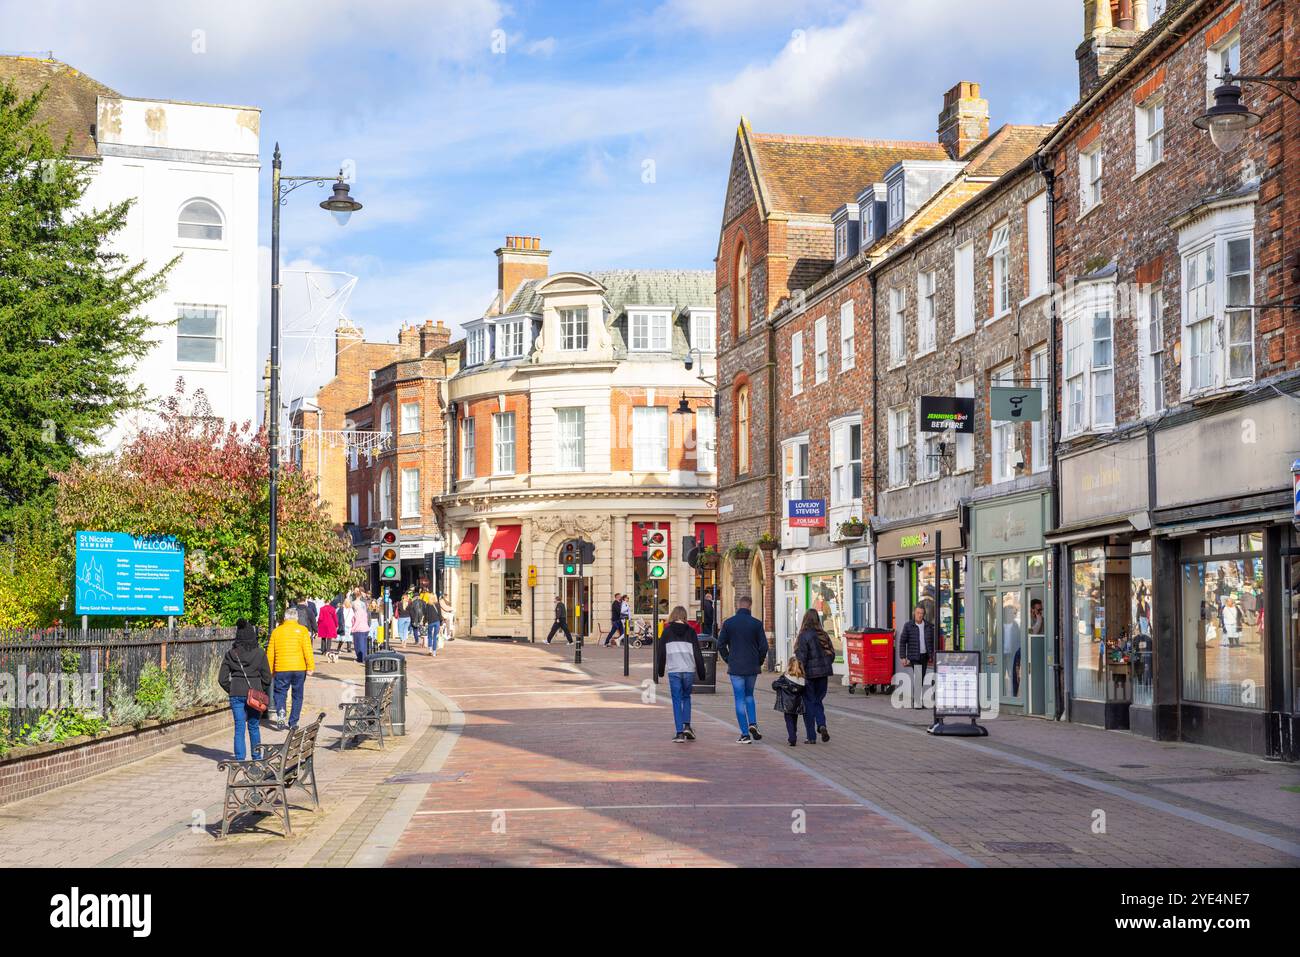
(570, 570)
(657, 571)
(389, 572)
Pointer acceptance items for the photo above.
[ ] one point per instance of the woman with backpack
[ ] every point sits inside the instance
(678, 655)
(816, 657)
(246, 677)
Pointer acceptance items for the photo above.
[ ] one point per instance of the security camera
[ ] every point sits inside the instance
(689, 362)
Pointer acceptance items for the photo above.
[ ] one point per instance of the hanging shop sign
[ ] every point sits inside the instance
(946, 413)
(1015, 404)
(807, 513)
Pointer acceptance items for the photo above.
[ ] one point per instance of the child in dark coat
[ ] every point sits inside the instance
(789, 690)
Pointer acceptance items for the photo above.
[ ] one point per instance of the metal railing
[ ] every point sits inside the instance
(96, 660)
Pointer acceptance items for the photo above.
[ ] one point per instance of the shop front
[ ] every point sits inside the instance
(1012, 613)
(813, 580)
(908, 576)
(1106, 585)
(1224, 521)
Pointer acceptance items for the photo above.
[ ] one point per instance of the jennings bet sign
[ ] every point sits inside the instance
(945, 413)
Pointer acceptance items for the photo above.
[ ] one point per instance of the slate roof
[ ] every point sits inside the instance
(679, 288)
(70, 104)
(819, 174)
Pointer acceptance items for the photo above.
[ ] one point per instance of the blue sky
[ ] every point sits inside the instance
(603, 127)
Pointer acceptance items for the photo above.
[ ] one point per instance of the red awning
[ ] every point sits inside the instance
(640, 528)
(468, 544)
(706, 534)
(505, 542)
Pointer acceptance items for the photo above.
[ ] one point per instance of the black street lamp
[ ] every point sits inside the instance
(1228, 120)
(342, 206)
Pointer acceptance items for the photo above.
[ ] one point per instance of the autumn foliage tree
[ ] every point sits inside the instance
(205, 482)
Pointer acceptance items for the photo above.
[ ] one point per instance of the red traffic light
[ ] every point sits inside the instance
(389, 537)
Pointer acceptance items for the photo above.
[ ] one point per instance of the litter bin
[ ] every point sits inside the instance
(870, 655)
(708, 651)
(383, 667)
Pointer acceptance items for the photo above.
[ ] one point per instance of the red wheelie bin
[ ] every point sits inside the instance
(870, 655)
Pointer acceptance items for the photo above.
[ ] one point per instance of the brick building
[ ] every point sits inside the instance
(1180, 378)
(399, 480)
(564, 424)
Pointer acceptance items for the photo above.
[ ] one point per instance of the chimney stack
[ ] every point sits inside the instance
(433, 336)
(408, 342)
(1110, 29)
(964, 121)
(520, 259)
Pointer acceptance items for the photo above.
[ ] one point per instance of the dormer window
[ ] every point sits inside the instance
(895, 204)
(510, 339)
(573, 329)
(868, 223)
(702, 330)
(476, 351)
(648, 331)
(841, 240)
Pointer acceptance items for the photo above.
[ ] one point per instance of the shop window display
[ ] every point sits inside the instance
(1223, 601)
(1088, 622)
(923, 588)
(826, 597)
(1140, 636)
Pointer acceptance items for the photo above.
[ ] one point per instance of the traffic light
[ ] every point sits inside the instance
(571, 558)
(390, 556)
(691, 551)
(656, 554)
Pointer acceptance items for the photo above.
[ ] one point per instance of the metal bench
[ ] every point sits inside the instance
(262, 783)
(365, 717)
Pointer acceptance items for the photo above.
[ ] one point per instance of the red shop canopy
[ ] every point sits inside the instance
(640, 528)
(706, 534)
(468, 544)
(505, 542)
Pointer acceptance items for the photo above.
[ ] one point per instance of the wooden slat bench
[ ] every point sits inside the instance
(263, 782)
(365, 717)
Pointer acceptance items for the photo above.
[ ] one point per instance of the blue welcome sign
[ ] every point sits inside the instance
(119, 574)
(807, 513)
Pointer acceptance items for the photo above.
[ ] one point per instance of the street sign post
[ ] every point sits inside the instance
(120, 574)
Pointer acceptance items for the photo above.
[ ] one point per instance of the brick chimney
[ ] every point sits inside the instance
(520, 259)
(964, 121)
(408, 342)
(1110, 29)
(433, 336)
(345, 336)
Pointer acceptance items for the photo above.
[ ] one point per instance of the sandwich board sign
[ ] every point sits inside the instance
(957, 692)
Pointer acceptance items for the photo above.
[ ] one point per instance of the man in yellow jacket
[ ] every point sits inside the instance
(290, 657)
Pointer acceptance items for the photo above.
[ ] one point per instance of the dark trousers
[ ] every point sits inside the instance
(791, 726)
(559, 626)
(359, 639)
(919, 665)
(814, 715)
(284, 681)
(325, 645)
(615, 629)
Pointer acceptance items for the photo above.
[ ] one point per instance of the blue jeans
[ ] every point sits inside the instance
(680, 684)
(403, 629)
(434, 626)
(814, 714)
(284, 680)
(359, 644)
(245, 717)
(742, 687)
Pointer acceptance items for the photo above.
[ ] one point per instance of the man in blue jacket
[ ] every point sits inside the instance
(742, 644)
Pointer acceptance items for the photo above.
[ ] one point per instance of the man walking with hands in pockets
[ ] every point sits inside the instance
(742, 644)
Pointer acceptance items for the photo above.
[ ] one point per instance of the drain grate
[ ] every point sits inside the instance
(1029, 847)
(1134, 766)
(426, 777)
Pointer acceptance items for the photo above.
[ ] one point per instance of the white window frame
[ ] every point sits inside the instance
(897, 206)
(925, 312)
(1088, 359)
(386, 495)
(1207, 321)
(1038, 430)
(649, 331)
(503, 443)
(1036, 233)
(650, 438)
(963, 273)
(408, 426)
(796, 363)
(999, 255)
(204, 311)
(900, 443)
(354, 508)
(846, 471)
(821, 352)
(1003, 435)
(1151, 348)
(848, 337)
(476, 348)
(964, 460)
(841, 240)
(571, 439)
(182, 222)
(410, 487)
(386, 419)
(468, 466)
(1091, 171)
(1149, 132)
(706, 439)
(704, 330)
(927, 451)
(575, 329)
(1224, 56)
(897, 328)
(796, 462)
(512, 341)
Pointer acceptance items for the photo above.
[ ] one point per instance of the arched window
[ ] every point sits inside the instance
(742, 291)
(742, 430)
(199, 219)
(386, 495)
(386, 420)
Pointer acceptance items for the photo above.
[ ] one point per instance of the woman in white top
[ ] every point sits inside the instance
(345, 635)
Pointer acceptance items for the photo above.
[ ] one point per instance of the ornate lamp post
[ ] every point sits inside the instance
(1228, 120)
(342, 206)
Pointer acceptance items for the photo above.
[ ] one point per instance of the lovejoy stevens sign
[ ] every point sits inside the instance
(807, 513)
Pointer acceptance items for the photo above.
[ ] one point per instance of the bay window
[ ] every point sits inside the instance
(1218, 288)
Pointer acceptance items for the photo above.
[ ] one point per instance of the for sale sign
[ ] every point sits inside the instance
(807, 513)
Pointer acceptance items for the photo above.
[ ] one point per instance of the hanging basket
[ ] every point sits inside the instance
(853, 529)
(769, 546)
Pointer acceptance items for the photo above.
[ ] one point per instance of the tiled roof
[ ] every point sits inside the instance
(1004, 150)
(70, 102)
(678, 288)
(818, 174)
